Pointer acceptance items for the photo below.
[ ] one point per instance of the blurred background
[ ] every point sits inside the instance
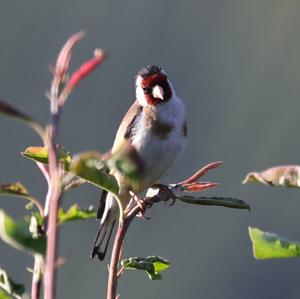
(235, 64)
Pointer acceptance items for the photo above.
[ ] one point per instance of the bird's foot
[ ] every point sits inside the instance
(143, 205)
(160, 192)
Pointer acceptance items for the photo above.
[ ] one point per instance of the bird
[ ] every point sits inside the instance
(156, 127)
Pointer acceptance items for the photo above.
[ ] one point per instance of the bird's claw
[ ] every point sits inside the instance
(172, 201)
(165, 194)
(142, 215)
(143, 205)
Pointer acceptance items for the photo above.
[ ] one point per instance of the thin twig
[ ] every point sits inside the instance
(114, 273)
(113, 267)
(162, 193)
(54, 189)
(54, 199)
(120, 272)
(59, 91)
(36, 278)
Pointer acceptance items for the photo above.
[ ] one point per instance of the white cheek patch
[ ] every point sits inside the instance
(138, 81)
(141, 96)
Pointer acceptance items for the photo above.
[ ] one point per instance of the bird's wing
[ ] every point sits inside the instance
(126, 126)
(124, 133)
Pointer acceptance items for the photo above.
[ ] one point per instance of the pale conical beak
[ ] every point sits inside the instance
(158, 92)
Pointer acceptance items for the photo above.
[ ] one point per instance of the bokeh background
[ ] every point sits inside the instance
(236, 65)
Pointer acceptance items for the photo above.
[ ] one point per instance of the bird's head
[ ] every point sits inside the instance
(153, 86)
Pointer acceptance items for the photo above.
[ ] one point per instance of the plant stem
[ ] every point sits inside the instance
(114, 260)
(51, 245)
(55, 193)
(120, 272)
(114, 273)
(36, 278)
(113, 267)
(164, 194)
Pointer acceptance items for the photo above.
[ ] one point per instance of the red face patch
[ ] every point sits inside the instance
(150, 82)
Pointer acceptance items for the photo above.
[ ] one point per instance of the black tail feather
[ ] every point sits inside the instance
(105, 229)
(97, 250)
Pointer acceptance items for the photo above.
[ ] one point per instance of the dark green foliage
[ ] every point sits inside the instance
(153, 265)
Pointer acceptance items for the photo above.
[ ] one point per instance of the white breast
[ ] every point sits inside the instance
(159, 154)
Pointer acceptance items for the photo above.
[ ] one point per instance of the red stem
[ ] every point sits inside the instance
(55, 194)
(115, 256)
(113, 267)
(57, 98)
(164, 195)
(51, 246)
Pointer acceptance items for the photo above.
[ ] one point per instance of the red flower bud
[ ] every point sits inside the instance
(201, 172)
(64, 57)
(85, 69)
(198, 187)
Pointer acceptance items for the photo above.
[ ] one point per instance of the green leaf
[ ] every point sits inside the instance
(17, 235)
(12, 288)
(227, 202)
(127, 161)
(40, 154)
(75, 213)
(16, 189)
(70, 181)
(285, 175)
(3, 295)
(88, 166)
(153, 265)
(10, 111)
(268, 245)
(19, 190)
(91, 168)
(36, 153)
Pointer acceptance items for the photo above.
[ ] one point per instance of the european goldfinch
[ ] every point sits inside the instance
(155, 125)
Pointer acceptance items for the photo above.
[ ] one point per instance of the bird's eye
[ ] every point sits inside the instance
(147, 89)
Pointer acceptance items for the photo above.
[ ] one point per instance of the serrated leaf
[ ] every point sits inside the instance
(75, 213)
(12, 288)
(17, 235)
(227, 202)
(40, 154)
(284, 175)
(19, 190)
(88, 166)
(269, 245)
(153, 265)
(10, 111)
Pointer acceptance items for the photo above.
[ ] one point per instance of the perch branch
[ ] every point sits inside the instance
(155, 194)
